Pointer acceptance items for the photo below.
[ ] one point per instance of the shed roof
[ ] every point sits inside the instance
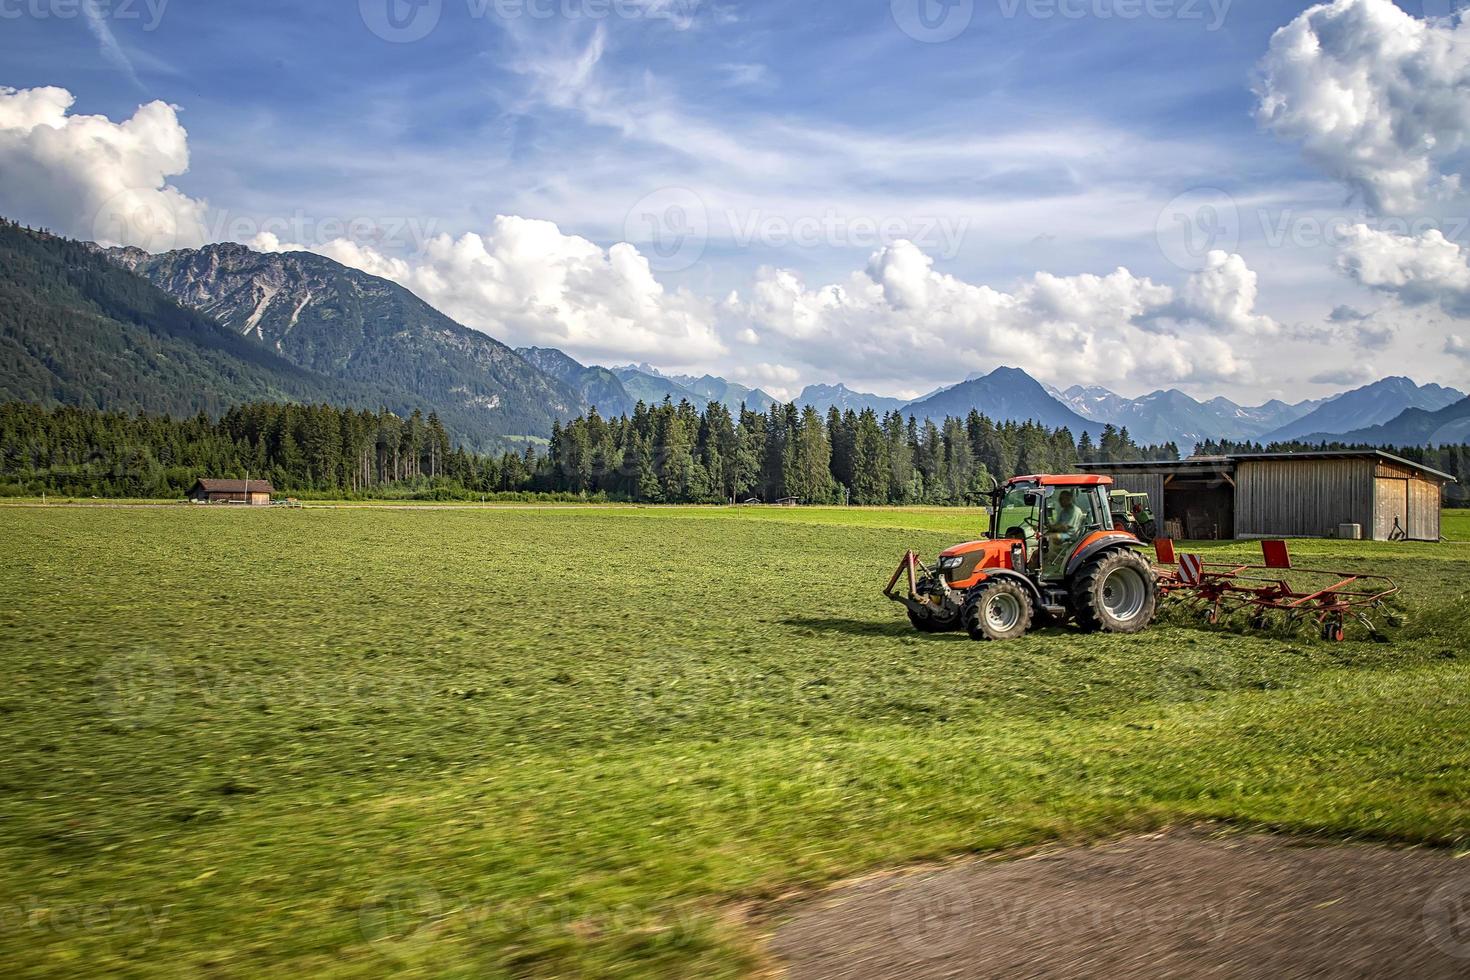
(209, 485)
(1227, 462)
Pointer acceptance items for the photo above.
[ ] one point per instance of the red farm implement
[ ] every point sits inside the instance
(1273, 591)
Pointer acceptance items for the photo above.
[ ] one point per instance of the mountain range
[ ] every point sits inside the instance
(201, 329)
(76, 329)
(345, 324)
(1414, 427)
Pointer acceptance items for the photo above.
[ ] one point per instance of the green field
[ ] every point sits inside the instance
(566, 741)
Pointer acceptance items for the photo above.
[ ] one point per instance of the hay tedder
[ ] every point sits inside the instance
(1273, 592)
(1057, 551)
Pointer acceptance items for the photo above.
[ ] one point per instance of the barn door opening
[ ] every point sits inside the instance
(1204, 509)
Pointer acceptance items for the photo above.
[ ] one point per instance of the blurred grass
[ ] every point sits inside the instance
(528, 742)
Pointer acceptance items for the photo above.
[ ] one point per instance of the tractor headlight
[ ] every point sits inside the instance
(951, 562)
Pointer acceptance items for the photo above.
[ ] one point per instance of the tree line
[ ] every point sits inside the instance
(664, 453)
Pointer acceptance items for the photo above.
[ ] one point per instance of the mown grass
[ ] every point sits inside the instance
(535, 742)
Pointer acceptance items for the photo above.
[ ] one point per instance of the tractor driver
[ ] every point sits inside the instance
(1064, 527)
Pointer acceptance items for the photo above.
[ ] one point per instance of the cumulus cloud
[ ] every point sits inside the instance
(93, 178)
(526, 282)
(1375, 96)
(1416, 269)
(901, 317)
(1456, 346)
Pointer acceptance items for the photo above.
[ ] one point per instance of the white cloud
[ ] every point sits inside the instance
(1375, 96)
(1416, 269)
(526, 283)
(1456, 346)
(900, 320)
(93, 178)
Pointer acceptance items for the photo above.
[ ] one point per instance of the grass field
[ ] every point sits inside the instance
(527, 742)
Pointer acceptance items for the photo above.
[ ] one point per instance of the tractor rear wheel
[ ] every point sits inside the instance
(997, 610)
(1115, 592)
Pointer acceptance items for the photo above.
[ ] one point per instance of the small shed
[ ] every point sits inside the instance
(210, 491)
(1307, 494)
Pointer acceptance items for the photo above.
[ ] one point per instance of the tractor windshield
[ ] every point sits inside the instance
(1015, 516)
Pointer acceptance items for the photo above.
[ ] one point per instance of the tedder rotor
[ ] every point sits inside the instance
(1275, 591)
(1052, 553)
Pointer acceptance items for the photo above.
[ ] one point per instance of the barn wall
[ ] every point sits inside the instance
(1424, 503)
(1302, 497)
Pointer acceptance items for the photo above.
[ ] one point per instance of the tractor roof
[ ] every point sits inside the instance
(1064, 480)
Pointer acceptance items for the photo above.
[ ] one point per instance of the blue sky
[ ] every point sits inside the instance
(1038, 139)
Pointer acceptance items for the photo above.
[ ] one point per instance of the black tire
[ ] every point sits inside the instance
(929, 623)
(1115, 592)
(999, 609)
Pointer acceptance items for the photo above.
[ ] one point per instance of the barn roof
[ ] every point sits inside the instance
(1227, 462)
(209, 485)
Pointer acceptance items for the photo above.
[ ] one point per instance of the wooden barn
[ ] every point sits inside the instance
(207, 491)
(1328, 493)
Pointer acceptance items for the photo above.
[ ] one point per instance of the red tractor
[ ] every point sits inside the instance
(1052, 555)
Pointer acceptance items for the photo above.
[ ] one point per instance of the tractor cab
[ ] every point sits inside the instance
(1051, 516)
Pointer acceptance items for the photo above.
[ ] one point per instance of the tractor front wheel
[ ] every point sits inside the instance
(997, 610)
(933, 622)
(1115, 592)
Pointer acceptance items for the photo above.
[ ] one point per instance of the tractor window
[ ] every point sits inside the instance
(1015, 517)
(1095, 516)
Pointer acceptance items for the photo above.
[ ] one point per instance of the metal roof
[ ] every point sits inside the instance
(209, 485)
(1224, 462)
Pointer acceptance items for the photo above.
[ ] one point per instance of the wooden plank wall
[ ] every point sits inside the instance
(1149, 483)
(1302, 498)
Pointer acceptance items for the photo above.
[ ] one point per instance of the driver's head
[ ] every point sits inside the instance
(1065, 498)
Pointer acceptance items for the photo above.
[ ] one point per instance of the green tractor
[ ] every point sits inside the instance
(1132, 513)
